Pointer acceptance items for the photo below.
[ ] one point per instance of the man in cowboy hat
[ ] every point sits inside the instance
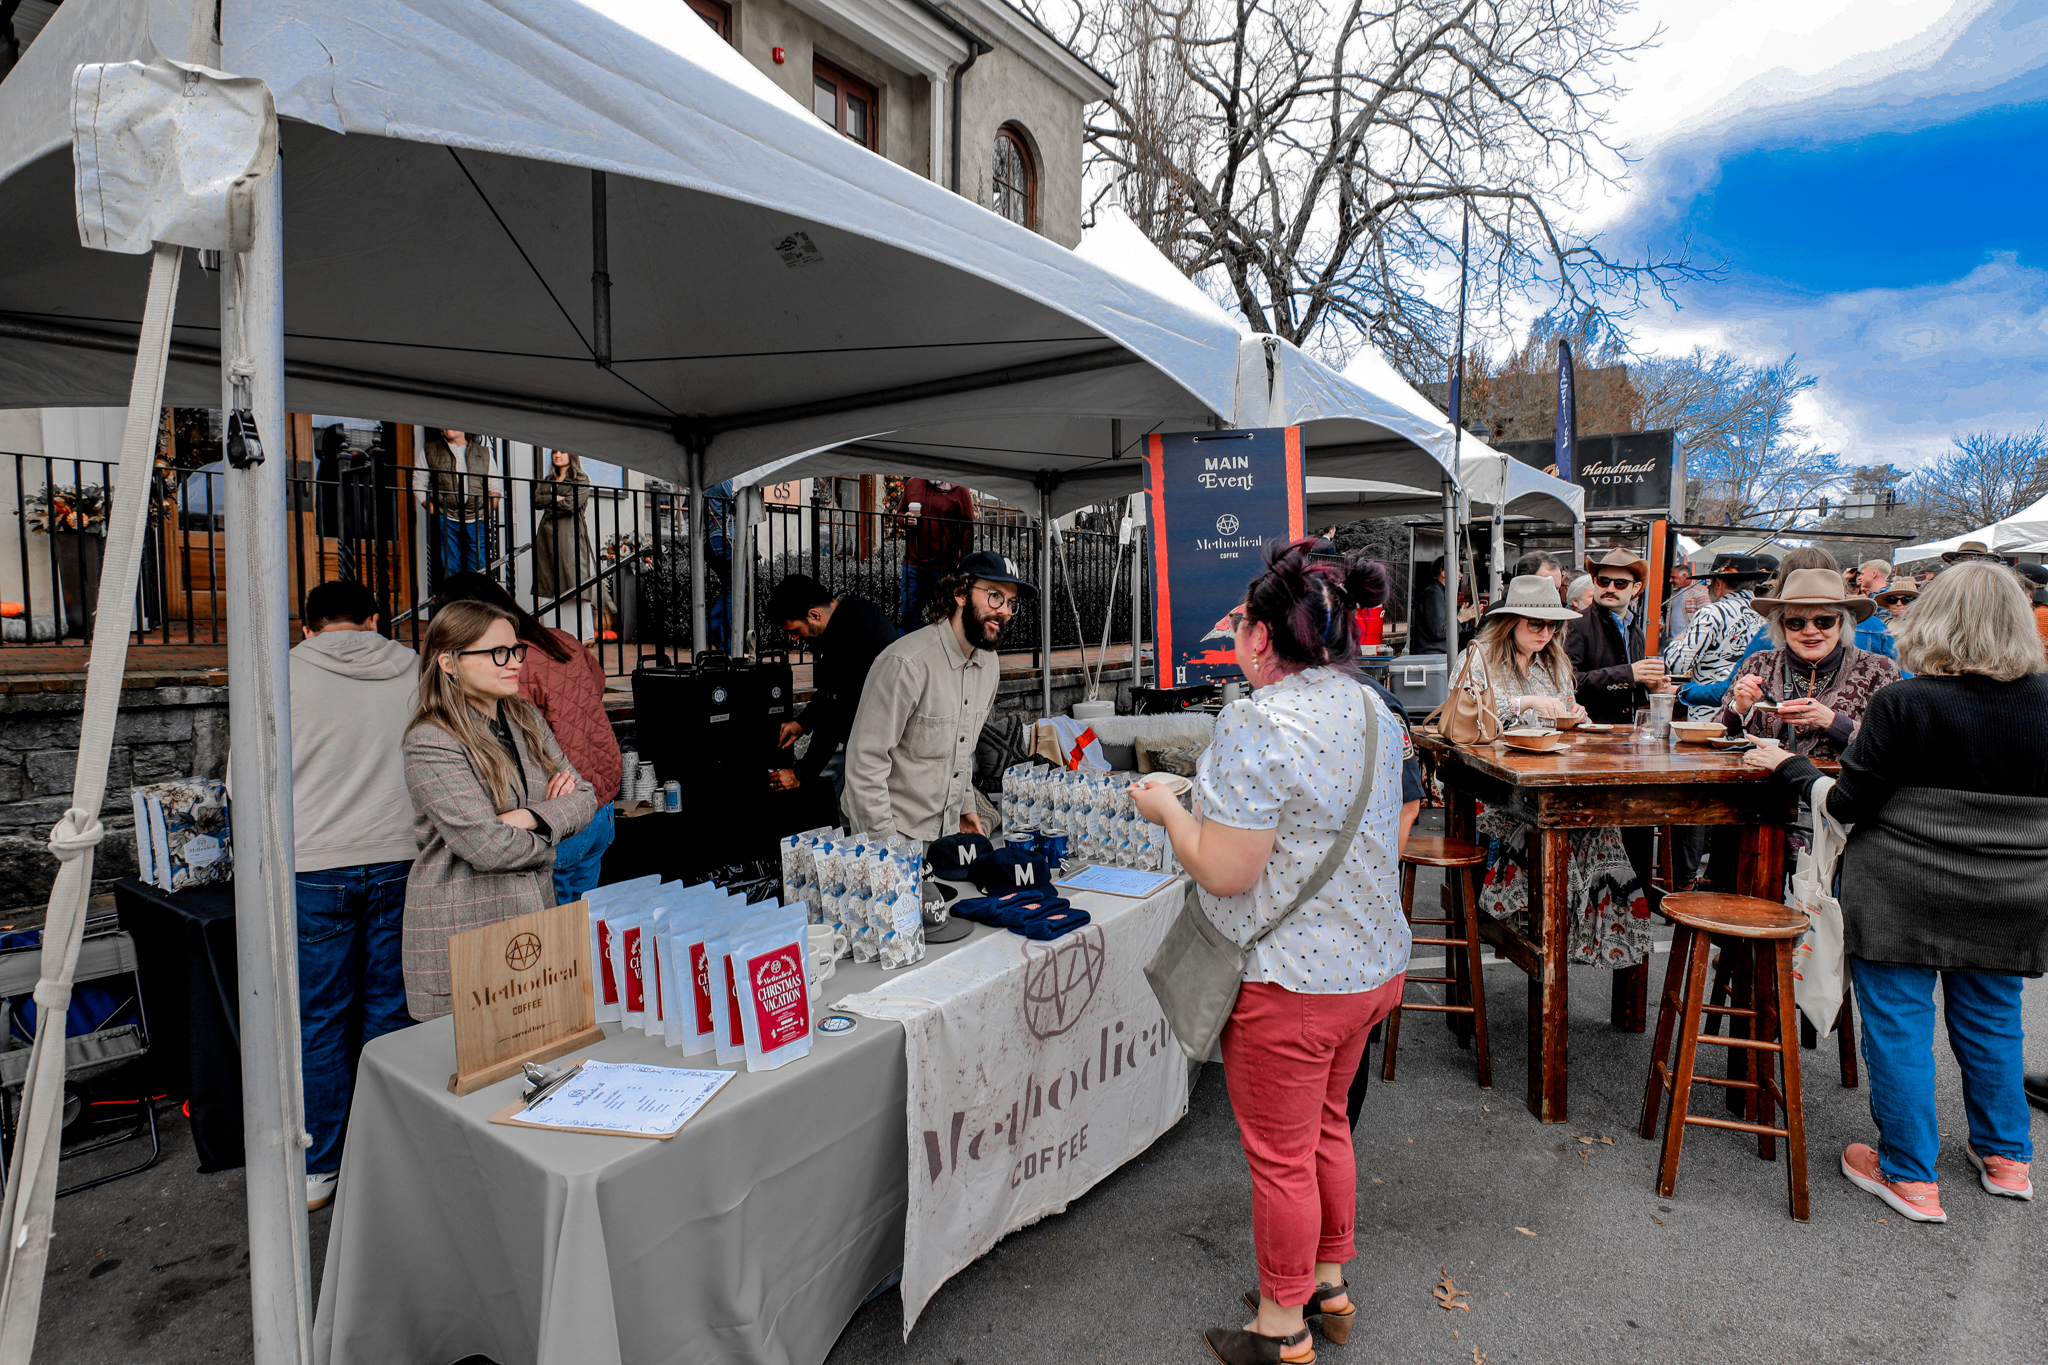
(1606, 643)
(1971, 550)
(1720, 632)
(1894, 597)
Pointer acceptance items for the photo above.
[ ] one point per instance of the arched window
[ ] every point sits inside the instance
(1015, 178)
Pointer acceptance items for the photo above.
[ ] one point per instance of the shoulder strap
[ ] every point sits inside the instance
(1333, 857)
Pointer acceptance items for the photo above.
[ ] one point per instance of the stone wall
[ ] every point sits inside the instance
(160, 733)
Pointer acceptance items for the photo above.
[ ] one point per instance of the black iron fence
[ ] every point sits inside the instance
(608, 565)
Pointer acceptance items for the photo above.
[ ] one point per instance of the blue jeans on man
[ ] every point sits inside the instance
(455, 546)
(580, 857)
(351, 987)
(917, 580)
(1982, 1011)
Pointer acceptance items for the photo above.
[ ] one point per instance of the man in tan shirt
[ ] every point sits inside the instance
(910, 755)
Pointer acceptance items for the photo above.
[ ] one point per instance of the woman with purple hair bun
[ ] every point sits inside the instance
(1276, 789)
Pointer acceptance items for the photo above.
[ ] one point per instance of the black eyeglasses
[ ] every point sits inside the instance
(1793, 623)
(1893, 601)
(1606, 582)
(500, 654)
(997, 600)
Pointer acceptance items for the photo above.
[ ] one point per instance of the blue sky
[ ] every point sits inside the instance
(1873, 174)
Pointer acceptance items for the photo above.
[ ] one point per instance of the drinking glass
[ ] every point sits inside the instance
(1642, 735)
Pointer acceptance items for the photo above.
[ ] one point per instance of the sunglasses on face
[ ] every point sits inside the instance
(1234, 618)
(1893, 601)
(1607, 582)
(500, 655)
(1545, 627)
(1799, 623)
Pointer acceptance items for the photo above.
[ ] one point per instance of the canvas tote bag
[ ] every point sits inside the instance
(1197, 970)
(1820, 962)
(1468, 713)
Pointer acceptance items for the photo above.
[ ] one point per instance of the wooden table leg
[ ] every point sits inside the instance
(1630, 996)
(1461, 816)
(1550, 853)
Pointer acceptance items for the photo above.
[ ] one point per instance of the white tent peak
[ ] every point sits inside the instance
(1117, 244)
(2025, 532)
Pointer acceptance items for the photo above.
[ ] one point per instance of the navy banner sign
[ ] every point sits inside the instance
(1633, 472)
(1216, 497)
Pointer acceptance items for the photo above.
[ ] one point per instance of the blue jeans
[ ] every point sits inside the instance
(1983, 1015)
(916, 582)
(351, 987)
(454, 546)
(579, 857)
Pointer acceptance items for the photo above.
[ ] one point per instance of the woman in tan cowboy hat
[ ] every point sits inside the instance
(1520, 653)
(1810, 690)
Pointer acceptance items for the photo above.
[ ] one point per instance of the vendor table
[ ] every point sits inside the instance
(185, 948)
(752, 1236)
(1590, 781)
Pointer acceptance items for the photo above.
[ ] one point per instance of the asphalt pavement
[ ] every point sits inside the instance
(1554, 1249)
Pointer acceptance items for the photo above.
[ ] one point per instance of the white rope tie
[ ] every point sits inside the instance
(76, 834)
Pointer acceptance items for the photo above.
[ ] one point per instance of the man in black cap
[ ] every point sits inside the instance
(845, 634)
(910, 757)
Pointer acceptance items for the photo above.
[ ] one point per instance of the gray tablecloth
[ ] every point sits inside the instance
(752, 1236)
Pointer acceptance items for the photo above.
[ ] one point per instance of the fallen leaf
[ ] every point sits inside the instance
(1658, 1221)
(1608, 1141)
(1525, 1232)
(1377, 1181)
(1448, 1295)
(1583, 1138)
(1478, 1356)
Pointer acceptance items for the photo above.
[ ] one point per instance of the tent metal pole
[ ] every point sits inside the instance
(1500, 545)
(1450, 578)
(700, 629)
(1045, 535)
(260, 777)
(1137, 585)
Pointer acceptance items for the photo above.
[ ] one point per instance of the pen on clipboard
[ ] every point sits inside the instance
(542, 1092)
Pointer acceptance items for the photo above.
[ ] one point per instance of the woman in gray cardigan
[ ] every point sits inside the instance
(1946, 785)
(491, 795)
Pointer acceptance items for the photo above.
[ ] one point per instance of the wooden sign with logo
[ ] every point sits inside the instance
(521, 992)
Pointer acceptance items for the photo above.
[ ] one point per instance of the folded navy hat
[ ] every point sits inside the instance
(1008, 869)
(954, 856)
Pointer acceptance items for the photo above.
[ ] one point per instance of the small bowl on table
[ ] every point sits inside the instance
(1697, 731)
(1531, 740)
(1569, 723)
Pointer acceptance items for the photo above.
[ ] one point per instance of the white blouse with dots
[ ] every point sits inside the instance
(1289, 757)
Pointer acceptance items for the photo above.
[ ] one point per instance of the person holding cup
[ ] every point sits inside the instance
(1810, 690)
(1617, 669)
(1520, 653)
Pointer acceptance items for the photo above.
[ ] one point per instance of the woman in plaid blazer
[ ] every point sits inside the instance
(491, 795)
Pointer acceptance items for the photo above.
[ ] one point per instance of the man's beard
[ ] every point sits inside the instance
(981, 627)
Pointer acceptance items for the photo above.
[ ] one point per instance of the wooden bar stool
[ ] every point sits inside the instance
(1466, 983)
(1756, 938)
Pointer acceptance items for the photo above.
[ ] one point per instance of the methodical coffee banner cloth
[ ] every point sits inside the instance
(1036, 1069)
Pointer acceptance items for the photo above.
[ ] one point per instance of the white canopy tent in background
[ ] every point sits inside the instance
(2024, 533)
(1490, 480)
(773, 288)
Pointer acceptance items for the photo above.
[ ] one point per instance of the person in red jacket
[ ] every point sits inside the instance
(565, 682)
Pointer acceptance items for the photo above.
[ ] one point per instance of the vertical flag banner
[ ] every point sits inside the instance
(1216, 498)
(1568, 439)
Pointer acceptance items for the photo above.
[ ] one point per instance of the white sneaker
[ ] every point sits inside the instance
(320, 1189)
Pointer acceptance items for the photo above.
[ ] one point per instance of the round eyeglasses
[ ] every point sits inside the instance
(500, 654)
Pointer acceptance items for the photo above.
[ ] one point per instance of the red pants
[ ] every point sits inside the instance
(1289, 1060)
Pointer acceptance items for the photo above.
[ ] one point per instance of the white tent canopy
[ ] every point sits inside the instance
(774, 287)
(2025, 532)
(1489, 478)
(1346, 429)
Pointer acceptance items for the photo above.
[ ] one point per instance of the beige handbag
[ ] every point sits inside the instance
(1468, 713)
(1197, 971)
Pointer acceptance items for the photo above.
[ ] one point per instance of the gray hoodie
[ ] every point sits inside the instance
(352, 694)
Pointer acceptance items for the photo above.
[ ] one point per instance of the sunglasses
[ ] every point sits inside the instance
(500, 655)
(1626, 582)
(1798, 623)
(1234, 618)
(1899, 601)
(1546, 627)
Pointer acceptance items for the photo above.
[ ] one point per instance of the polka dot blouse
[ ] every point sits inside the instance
(1289, 758)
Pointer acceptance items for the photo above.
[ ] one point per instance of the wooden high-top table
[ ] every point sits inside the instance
(1589, 781)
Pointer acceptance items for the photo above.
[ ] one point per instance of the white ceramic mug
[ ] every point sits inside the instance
(827, 946)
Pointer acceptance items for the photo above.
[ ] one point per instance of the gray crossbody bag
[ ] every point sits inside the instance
(1197, 970)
